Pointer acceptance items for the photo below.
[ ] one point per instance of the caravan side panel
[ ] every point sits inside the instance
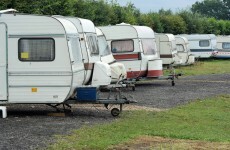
(3, 62)
(39, 65)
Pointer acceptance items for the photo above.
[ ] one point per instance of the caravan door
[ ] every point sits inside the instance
(3, 62)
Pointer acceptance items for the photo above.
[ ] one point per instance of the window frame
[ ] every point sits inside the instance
(30, 38)
(102, 37)
(155, 48)
(204, 40)
(121, 41)
(181, 46)
(224, 47)
(88, 38)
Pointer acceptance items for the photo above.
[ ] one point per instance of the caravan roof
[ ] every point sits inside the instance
(83, 25)
(194, 37)
(121, 31)
(181, 40)
(69, 27)
(17, 25)
(165, 37)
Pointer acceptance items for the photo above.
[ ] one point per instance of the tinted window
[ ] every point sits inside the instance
(226, 45)
(103, 46)
(33, 49)
(180, 47)
(122, 46)
(204, 43)
(92, 43)
(149, 46)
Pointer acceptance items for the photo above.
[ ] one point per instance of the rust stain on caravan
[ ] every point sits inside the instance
(88, 66)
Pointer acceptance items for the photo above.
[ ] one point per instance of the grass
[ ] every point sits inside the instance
(205, 67)
(205, 120)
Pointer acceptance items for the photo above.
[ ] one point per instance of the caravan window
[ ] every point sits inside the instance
(180, 48)
(149, 46)
(103, 46)
(75, 46)
(122, 46)
(36, 49)
(226, 45)
(92, 43)
(204, 43)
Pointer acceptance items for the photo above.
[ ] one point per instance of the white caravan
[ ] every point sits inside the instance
(202, 45)
(41, 60)
(117, 69)
(135, 47)
(184, 51)
(88, 44)
(223, 46)
(166, 44)
(91, 45)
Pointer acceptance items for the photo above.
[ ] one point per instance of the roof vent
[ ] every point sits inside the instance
(8, 11)
(123, 24)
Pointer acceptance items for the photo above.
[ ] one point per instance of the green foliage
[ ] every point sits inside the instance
(211, 26)
(213, 8)
(152, 20)
(193, 22)
(173, 24)
(105, 12)
(205, 67)
(206, 120)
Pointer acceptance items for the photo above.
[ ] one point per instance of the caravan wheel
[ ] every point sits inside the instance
(115, 112)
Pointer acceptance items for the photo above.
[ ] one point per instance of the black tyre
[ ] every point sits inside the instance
(115, 112)
(133, 88)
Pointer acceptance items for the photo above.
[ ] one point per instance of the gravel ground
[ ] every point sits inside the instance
(29, 127)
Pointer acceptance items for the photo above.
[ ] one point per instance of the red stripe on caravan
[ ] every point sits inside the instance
(166, 56)
(125, 56)
(154, 73)
(136, 74)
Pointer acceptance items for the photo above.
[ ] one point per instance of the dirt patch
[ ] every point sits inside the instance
(125, 107)
(148, 143)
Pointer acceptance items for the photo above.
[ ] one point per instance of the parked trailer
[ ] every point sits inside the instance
(91, 49)
(166, 44)
(135, 47)
(41, 61)
(118, 69)
(202, 45)
(184, 51)
(223, 47)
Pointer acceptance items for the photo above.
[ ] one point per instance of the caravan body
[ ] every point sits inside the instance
(135, 47)
(202, 45)
(184, 51)
(90, 49)
(41, 60)
(118, 71)
(223, 46)
(166, 44)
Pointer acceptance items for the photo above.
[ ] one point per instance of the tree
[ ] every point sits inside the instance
(151, 20)
(45, 7)
(212, 8)
(211, 26)
(193, 22)
(173, 24)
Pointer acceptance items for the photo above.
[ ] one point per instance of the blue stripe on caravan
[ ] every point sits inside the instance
(226, 57)
(201, 50)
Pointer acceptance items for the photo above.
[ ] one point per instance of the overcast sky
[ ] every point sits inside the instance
(155, 5)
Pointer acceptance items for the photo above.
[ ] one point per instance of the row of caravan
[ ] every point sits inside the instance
(43, 59)
(208, 45)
